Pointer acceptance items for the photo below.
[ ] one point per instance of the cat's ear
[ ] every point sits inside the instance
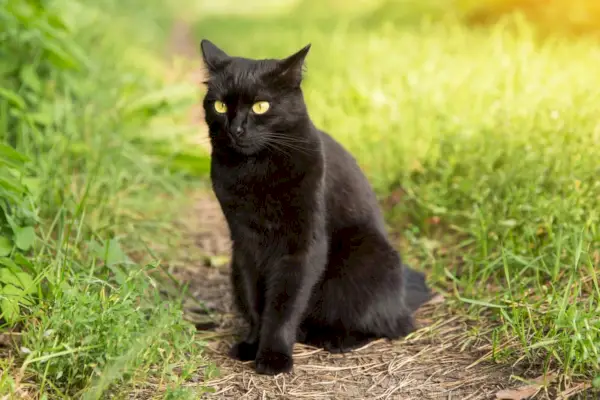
(291, 68)
(212, 55)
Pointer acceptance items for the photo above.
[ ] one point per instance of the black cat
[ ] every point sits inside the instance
(311, 258)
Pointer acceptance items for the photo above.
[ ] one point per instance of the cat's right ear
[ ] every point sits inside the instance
(291, 68)
(212, 55)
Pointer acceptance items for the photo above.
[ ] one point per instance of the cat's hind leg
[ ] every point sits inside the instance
(332, 339)
(365, 288)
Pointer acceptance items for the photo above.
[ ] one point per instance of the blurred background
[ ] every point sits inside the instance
(475, 120)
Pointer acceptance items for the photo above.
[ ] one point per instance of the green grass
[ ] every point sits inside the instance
(87, 178)
(490, 137)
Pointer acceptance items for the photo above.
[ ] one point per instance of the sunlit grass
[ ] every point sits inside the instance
(491, 137)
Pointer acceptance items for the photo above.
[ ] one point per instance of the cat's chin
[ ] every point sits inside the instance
(246, 150)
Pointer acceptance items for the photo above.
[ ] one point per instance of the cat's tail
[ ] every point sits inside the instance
(416, 291)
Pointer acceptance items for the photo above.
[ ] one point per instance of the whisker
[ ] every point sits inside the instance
(291, 146)
(287, 138)
(299, 145)
(274, 147)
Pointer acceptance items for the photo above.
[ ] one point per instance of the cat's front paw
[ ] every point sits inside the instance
(273, 363)
(244, 351)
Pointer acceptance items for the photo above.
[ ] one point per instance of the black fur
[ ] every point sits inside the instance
(311, 258)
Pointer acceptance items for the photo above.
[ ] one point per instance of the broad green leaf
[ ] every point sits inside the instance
(22, 261)
(26, 282)
(10, 156)
(30, 78)
(9, 302)
(5, 246)
(13, 98)
(115, 254)
(33, 184)
(26, 301)
(8, 182)
(12, 291)
(32, 98)
(59, 57)
(9, 308)
(41, 118)
(9, 196)
(7, 262)
(58, 22)
(8, 277)
(8, 66)
(110, 252)
(21, 280)
(22, 10)
(119, 276)
(24, 237)
(96, 249)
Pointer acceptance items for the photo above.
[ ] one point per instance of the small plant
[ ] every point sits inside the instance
(97, 334)
(17, 235)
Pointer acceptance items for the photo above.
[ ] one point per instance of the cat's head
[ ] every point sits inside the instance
(251, 105)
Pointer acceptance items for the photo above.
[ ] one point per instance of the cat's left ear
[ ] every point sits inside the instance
(291, 68)
(212, 55)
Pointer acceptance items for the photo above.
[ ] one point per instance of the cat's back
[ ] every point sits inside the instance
(349, 196)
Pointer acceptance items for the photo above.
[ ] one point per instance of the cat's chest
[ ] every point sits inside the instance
(256, 207)
(237, 190)
(249, 201)
(251, 214)
(252, 182)
(264, 193)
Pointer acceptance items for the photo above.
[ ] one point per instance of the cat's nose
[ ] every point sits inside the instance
(236, 130)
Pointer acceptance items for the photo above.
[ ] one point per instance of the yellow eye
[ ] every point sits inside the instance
(220, 107)
(260, 107)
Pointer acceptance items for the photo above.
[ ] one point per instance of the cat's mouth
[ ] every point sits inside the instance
(240, 142)
(243, 145)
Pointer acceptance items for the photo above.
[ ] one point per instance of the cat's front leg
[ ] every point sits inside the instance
(248, 300)
(289, 287)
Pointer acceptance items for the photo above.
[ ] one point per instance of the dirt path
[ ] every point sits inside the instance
(430, 365)
(441, 361)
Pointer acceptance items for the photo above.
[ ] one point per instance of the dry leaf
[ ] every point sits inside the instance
(10, 339)
(437, 299)
(5, 340)
(574, 390)
(435, 220)
(521, 393)
(217, 261)
(394, 198)
(525, 392)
